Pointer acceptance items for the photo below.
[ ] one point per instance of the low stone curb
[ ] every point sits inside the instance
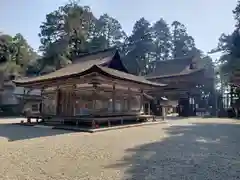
(79, 129)
(108, 128)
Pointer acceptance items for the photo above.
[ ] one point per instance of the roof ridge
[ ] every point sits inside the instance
(96, 52)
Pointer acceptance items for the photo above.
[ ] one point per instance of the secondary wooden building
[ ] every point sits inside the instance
(183, 76)
(93, 87)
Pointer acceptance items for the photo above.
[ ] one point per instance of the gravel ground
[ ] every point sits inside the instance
(197, 149)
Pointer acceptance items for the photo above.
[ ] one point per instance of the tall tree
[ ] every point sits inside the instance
(140, 48)
(64, 34)
(183, 44)
(107, 32)
(229, 62)
(229, 45)
(5, 47)
(162, 40)
(236, 13)
(23, 52)
(15, 54)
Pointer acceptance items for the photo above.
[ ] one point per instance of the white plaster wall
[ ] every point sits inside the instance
(20, 90)
(9, 96)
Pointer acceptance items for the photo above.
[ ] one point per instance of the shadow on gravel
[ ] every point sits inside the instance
(198, 152)
(19, 132)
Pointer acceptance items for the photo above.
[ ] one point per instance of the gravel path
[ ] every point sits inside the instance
(197, 149)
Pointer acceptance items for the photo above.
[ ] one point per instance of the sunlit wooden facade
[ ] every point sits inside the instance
(94, 87)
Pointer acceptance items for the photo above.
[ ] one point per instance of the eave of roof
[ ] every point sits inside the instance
(70, 70)
(171, 67)
(191, 72)
(87, 70)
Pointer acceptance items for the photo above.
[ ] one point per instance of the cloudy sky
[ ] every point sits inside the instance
(205, 19)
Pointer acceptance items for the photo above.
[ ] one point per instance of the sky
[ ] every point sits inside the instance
(205, 19)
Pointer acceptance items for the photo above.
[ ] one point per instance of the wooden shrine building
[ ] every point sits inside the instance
(183, 76)
(96, 87)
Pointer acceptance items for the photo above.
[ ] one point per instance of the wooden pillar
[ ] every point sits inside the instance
(94, 98)
(163, 113)
(94, 101)
(26, 112)
(114, 99)
(67, 104)
(93, 124)
(23, 101)
(128, 100)
(149, 108)
(74, 100)
(41, 104)
(57, 102)
(122, 120)
(41, 101)
(68, 99)
(123, 105)
(141, 100)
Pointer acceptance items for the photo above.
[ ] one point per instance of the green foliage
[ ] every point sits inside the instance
(162, 40)
(5, 47)
(140, 47)
(149, 44)
(15, 54)
(72, 30)
(183, 44)
(236, 13)
(229, 45)
(108, 31)
(64, 34)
